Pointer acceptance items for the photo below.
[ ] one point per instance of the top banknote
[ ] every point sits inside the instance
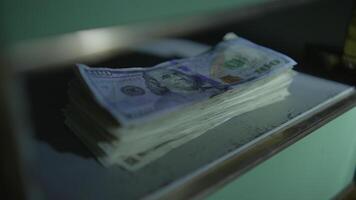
(138, 95)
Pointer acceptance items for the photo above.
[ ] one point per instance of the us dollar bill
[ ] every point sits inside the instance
(110, 154)
(137, 95)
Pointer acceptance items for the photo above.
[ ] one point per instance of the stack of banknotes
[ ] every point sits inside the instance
(133, 116)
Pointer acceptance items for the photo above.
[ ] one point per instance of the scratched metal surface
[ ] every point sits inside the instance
(74, 174)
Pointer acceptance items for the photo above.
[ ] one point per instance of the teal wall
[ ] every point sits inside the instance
(21, 20)
(316, 167)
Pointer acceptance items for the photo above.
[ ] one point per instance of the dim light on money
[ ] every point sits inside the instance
(133, 116)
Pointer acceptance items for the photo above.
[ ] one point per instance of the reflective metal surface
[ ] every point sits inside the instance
(198, 167)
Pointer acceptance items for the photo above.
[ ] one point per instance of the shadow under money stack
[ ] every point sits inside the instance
(133, 116)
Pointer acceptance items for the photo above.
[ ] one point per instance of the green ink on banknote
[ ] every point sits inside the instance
(235, 63)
